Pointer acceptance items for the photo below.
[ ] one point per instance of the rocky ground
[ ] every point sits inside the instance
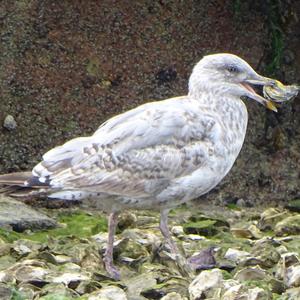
(250, 254)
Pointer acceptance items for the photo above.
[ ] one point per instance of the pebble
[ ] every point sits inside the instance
(9, 122)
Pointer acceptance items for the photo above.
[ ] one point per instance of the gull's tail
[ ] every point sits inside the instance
(21, 184)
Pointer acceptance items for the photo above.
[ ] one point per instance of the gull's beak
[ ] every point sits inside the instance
(256, 79)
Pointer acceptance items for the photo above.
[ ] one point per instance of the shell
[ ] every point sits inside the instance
(279, 92)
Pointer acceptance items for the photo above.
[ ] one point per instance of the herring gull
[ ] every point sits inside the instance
(160, 154)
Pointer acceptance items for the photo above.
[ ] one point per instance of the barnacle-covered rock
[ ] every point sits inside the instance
(173, 284)
(250, 273)
(108, 293)
(57, 291)
(236, 255)
(292, 276)
(248, 232)
(137, 284)
(205, 283)
(292, 294)
(288, 226)
(270, 217)
(173, 296)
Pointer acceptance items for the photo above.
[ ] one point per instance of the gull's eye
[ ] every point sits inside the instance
(233, 69)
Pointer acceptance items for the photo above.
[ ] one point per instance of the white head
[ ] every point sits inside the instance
(229, 74)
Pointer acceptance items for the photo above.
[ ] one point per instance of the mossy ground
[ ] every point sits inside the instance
(78, 223)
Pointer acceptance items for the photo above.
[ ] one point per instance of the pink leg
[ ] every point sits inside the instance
(163, 225)
(108, 256)
(182, 264)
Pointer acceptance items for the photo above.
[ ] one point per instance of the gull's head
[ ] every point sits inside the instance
(228, 74)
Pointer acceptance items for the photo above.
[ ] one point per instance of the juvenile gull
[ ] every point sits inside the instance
(160, 154)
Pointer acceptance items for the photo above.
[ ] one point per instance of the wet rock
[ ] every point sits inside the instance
(286, 260)
(258, 294)
(4, 248)
(288, 226)
(265, 254)
(177, 231)
(250, 273)
(248, 233)
(126, 220)
(22, 247)
(172, 296)
(294, 205)
(7, 277)
(131, 252)
(236, 255)
(203, 225)
(21, 217)
(28, 291)
(71, 280)
(5, 292)
(270, 217)
(54, 259)
(292, 294)
(137, 284)
(31, 274)
(57, 291)
(292, 276)
(91, 261)
(108, 293)
(232, 292)
(204, 260)
(9, 122)
(146, 237)
(173, 284)
(204, 283)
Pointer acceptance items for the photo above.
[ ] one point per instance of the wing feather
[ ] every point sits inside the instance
(135, 154)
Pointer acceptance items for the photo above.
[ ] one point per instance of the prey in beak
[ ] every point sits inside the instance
(251, 93)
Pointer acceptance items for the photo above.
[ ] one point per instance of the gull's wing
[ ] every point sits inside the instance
(135, 154)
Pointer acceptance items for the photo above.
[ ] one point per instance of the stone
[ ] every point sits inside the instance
(250, 273)
(31, 274)
(286, 260)
(248, 233)
(294, 205)
(141, 282)
(232, 292)
(71, 279)
(21, 217)
(258, 294)
(292, 276)
(204, 282)
(288, 226)
(9, 122)
(5, 292)
(172, 284)
(270, 217)
(236, 255)
(108, 293)
(126, 220)
(292, 294)
(172, 296)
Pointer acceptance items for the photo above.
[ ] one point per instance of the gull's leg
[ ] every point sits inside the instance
(182, 264)
(108, 256)
(163, 226)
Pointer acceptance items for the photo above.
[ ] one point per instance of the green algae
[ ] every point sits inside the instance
(79, 224)
(205, 227)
